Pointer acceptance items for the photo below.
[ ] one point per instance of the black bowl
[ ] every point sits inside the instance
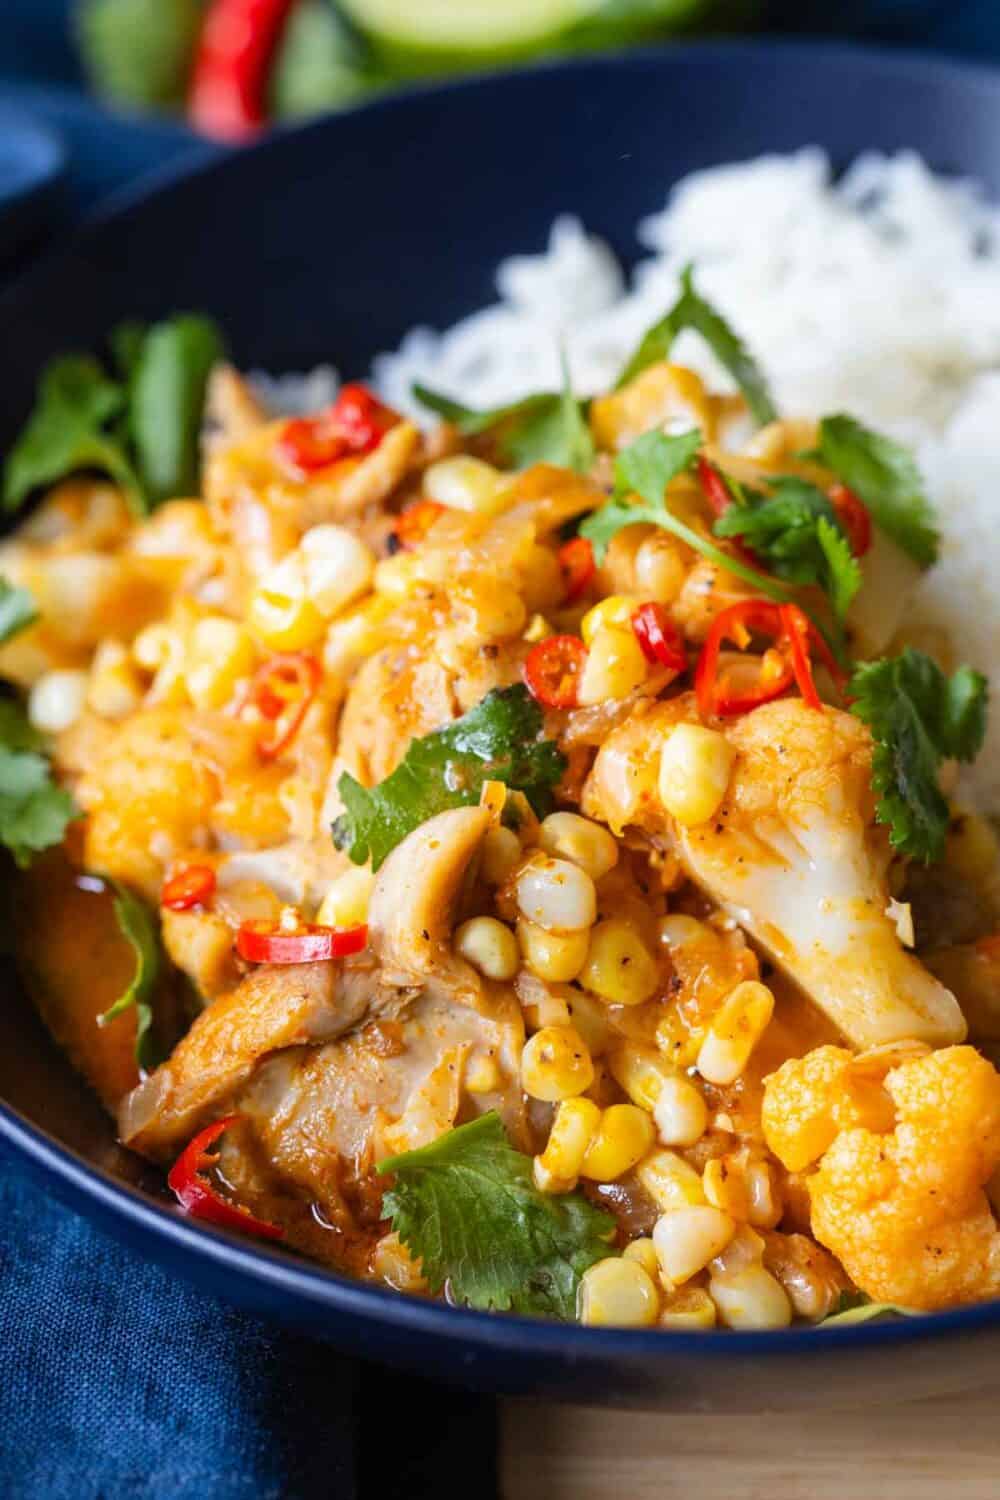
(327, 243)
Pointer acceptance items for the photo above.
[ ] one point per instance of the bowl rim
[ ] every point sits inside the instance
(319, 1289)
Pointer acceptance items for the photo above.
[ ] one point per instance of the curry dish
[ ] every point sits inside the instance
(516, 860)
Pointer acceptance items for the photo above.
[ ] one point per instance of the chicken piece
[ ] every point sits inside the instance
(794, 855)
(272, 1009)
(905, 1210)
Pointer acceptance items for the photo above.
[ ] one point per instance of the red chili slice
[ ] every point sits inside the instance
(199, 1198)
(659, 637)
(577, 564)
(796, 633)
(192, 886)
(232, 62)
(552, 670)
(416, 521)
(282, 690)
(310, 443)
(713, 486)
(736, 624)
(360, 418)
(269, 943)
(854, 516)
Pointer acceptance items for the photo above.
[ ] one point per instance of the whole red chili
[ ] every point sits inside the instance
(262, 942)
(191, 886)
(552, 670)
(577, 565)
(238, 41)
(282, 691)
(198, 1197)
(659, 637)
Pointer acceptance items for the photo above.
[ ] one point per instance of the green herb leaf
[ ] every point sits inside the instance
(918, 718)
(68, 432)
(856, 1307)
(34, 811)
(795, 530)
(885, 475)
(166, 402)
(466, 1207)
(320, 64)
(692, 311)
(498, 740)
(579, 443)
(138, 927)
(138, 53)
(645, 468)
(17, 610)
(541, 429)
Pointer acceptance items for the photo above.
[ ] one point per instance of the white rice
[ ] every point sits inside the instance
(877, 294)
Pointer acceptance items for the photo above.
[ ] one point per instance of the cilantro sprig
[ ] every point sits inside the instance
(885, 474)
(17, 610)
(691, 311)
(795, 530)
(137, 926)
(918, 718)
(498, 740)
(141, 428)
(34, 811)
(466, 1207)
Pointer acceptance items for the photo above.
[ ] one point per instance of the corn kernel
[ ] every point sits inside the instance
(615, 610)
(482, 1076)
(615, 667)
(695, 765)
(751, 1299)
(220, 653)
(337, 568)
(489, 946)
(623, 1137)
(680, 1113)
(574, 1126)
(556, 957)
(735, 1030)
(590, 1017)
(354, 636)
(499, 853)
(619, 967)
(281, 613)
(396, 577)
(764, 1194)
(555, 1064)
(644, 1251)
(660, 569)
(725, 1187)
(57, 700)
(677, 931)
(162, 649)
(538, 628)
(618, 1293)
(114, 690)
(466, 483)
(689, 1308)
(686, 1239)
(641, 1071)
(581, 840)
(154, 646)
(346, 902)
(559, 896)
(670, 1181)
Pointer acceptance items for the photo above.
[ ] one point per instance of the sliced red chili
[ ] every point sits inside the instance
(552, 670)
(232, 63)
(796, 633)
(736, 624)
(282, 690)
(198, 1197)
(191, 886)
(360, 418)
(577, 565)
(413, 524)
(854, 516)
(659, 637)
(310, 443)
(713, 486)
(269, 943)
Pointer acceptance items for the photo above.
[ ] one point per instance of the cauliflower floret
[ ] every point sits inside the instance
(794, 855)
(903, 1209)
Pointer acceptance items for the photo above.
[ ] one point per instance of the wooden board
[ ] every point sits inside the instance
(927, 1450)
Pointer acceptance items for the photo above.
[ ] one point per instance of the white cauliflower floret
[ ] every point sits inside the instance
(903, 1208)
(794, 855)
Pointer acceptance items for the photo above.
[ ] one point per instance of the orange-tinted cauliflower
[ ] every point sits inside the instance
(901, 1204)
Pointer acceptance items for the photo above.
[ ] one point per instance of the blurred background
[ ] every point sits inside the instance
(232, 67)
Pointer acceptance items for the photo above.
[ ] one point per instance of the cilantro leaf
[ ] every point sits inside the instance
(169, 376)
(498, 740)
(794, 530)
(466, 1207)
(137, 926)
(34, 811)
(692, 311)
(918, 718)
(857, 1307)
(885, 475)
(645, 468)
(548, 428)
(17, 610)
(68, 431)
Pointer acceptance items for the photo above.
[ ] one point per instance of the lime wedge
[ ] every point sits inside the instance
(473, 28)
